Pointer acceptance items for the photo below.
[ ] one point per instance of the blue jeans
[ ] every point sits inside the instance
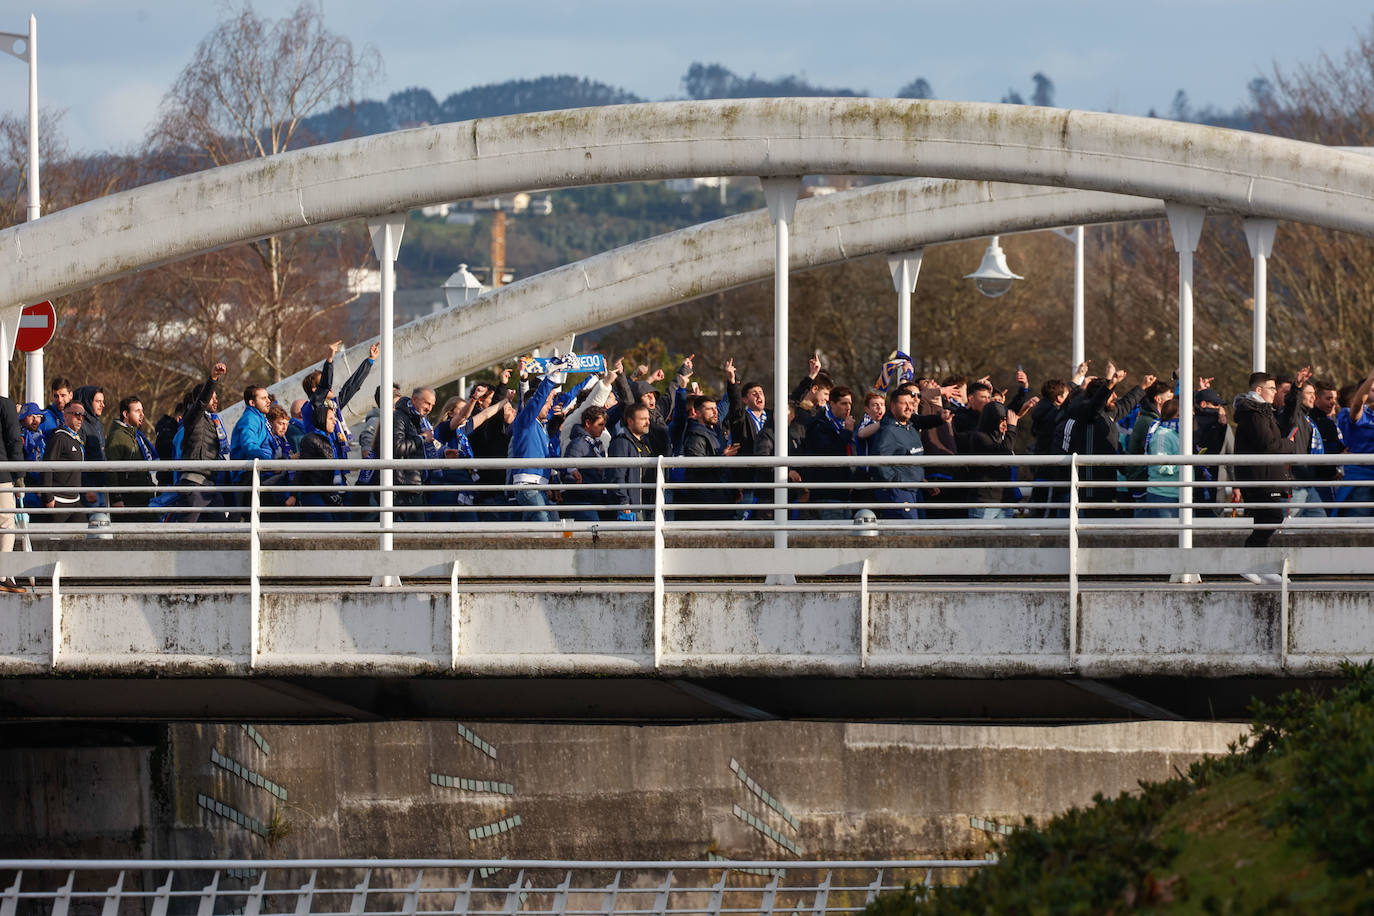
(910, 513)
(533, 498)
(1302, 495)
(1157, 510)
(989, 513)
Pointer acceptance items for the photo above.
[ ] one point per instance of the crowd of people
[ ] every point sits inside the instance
(643, 414)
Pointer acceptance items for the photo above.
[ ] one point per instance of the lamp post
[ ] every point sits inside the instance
(460, 289)
(905, 268)
(9, 43)
(993, 278)
(1259, 234)
(1076, 236)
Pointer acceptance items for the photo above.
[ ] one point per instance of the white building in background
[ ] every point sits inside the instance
(688, 185)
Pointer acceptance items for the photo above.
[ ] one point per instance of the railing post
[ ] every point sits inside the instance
(863, 614)
(9, 898)
(454, 627)
(160, 902)
(254, 565)
(56, 611)
(1185, 224)
(1283, 613)
(62, 900)
(386, 234)
(1073, 559)
(116, 892)
(781, 195)
(612, 895)
(253, 906)
(305, 896)
(659, 502)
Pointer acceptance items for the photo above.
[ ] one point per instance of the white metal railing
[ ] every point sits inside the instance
(454, 887)
(731, 501)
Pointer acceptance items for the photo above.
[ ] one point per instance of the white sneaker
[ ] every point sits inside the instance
(1253, 578)
(1272, 579)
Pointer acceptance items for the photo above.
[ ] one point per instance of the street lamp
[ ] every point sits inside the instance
(993, 278)
(462, 287)
(459, 289)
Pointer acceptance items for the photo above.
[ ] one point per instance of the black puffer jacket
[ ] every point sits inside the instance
(1258, 433)
(200, 441)
(407, 441)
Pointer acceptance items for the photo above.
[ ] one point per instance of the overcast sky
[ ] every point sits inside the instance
(106, 63)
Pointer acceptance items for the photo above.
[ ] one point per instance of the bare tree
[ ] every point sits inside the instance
(246, 94)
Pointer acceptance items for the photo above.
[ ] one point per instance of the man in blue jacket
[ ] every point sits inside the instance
(529, 439)
(251, 437)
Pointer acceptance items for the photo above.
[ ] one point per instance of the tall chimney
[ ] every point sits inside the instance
(498, 247)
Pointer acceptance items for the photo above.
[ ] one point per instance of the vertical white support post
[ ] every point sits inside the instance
(1185, 223)
(386, 234)
(305, 896)
(56, 612)
(161, 900)
(455, 625)
(9, 897)
(611, 897)
(1072, 641)
(254, 564)
(1079, 347)
(35, 359)
(1284, 611)
(781, 195)
(116, 891)
(905, 268)
(863, 614)
(1259, 233)
(62, 899)
(659, 503)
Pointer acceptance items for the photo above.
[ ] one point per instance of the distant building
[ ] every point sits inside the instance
(688, 185)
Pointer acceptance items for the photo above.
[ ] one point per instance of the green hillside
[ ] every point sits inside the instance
(1284, 823)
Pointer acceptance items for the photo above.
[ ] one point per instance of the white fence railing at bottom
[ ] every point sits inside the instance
(400, 887)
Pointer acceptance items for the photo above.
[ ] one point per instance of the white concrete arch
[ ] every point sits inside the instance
(679, 266)
(1187, 163)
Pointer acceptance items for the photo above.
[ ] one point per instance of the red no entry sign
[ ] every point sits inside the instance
(37, 323)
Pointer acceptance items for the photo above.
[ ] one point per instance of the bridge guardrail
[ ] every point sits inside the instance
(408, 887)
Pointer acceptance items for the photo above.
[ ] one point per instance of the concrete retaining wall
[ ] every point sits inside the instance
(581, 791)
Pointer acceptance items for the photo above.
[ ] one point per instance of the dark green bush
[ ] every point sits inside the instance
(1111, 855)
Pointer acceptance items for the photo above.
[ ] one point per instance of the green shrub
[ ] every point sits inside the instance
(1113, 856)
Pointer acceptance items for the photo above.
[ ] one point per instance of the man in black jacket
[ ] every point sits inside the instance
(1092, 430)
(200, 442)
(702, 439)
(632, 442)
(410, 433)
(65, 445)
(1258, 433)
